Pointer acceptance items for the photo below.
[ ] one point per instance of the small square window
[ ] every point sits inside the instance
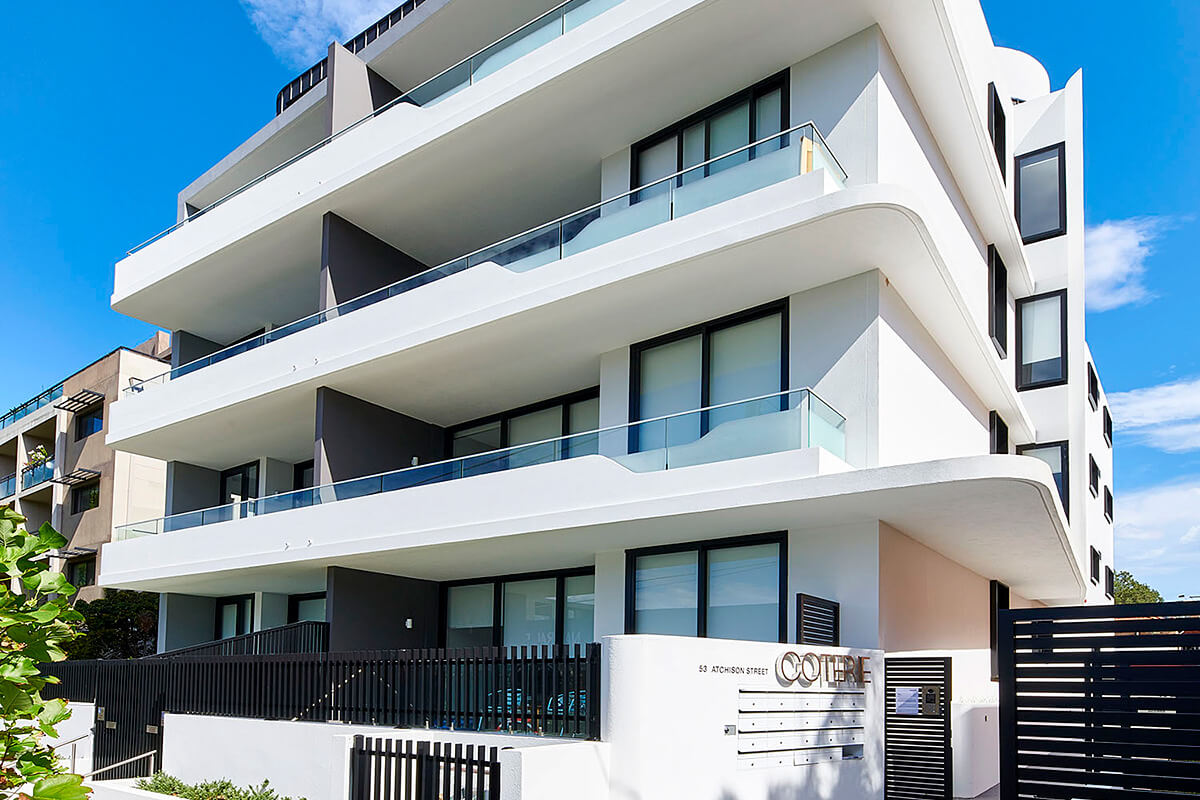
(85, 497)
(81, 573)
(1041, 193)
(1093, 476)
(1042, 340)
(1095, 565)
(1109, 582)
(89, 422)
(998, 431)
(1108, 430)
(1108, 504)
(1093, 387)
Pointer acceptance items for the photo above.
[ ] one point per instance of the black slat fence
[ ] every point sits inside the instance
(299, 637)
(402, 769)
(918, 757)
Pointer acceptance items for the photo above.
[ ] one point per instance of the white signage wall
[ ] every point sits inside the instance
(710, 719)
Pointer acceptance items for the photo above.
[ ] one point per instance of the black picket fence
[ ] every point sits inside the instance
(400, 769)
(299, 637)
(546, 690)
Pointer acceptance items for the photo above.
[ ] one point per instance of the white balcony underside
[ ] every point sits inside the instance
(998, 516)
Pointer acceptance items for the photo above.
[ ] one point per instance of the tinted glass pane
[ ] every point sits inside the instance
(669, 383)
(743, 593)
(655, 162)
(229, 620)
(579, 623)
(665, 594)
(469, 615)
(694, 151)
(310, 610)
(536, 426)
(768, 120)
(1053, 456)
(728, 131)
(1041, 340)
(583, 417)
(1039, 202)
(746, 360)
(479, 439)
(529, 609)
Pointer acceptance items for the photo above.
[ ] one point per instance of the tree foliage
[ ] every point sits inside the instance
(36, 621)
(122, 624)
(1128, 590)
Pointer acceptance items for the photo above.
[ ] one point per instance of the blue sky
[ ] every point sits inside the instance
(112, 108)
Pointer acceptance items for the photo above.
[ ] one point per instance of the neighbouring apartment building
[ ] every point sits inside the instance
(58, 468)
(701, 329)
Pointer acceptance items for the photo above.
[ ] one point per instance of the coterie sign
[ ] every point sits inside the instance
(822, 668)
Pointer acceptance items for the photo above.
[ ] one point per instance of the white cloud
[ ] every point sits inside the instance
(1116, 253)
(1192, 535)
(1166, 417)
(1158, 536)
(299, 31)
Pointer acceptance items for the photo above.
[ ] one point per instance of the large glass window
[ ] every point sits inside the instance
(526, 610)
(748, 116)
(722, 362)
(575, 413)
(1041, 194)
(1042, 340)
(529, 612)
(306, 607)
(235, 616)
(240, 482)
(579, 620)
(1055, 456)
(722, 589)
(89, 422)
(469, 615)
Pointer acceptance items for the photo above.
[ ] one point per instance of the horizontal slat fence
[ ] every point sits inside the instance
(546, 690)
(299, 637)
(401, 769)
(1100, 702)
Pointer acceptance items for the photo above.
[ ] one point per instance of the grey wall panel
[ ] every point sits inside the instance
(371, 611)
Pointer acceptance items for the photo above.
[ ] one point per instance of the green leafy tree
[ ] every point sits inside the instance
(122, 624)
(36, 621)
(1128, 590)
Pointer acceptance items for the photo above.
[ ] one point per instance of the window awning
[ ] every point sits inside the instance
(80, 400)
(76, 476)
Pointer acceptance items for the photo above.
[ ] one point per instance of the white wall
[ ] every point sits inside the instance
(80, 723)
(839, 564)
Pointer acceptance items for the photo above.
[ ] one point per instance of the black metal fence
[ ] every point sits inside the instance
(1100, 702)
(399, 769)
(918, 752)
(297, 638)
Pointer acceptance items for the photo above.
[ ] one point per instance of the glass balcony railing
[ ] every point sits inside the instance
(796, 151)
(770, 423)
(529, 37)
(32, 476)
(8, 486)
(29, 406)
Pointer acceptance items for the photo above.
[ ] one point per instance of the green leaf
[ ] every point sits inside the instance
(53, 712)
(14, 699)
(50, 538)
(60, 787)
(18, 671)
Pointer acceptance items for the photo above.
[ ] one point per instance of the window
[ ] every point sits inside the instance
(724, 589)
(1108, 429)
(1041, 193)
(1042, 340)
(577, 413)
(1108, 504)
(998, 431)
(1093, 387)
(235, 616)
(81, 573)
(997, 128)
(306, 607)
(89, 422)
(1095, 565)
(1109, 582)
(303, 475)
(85, 497)
(748, 116)
(521, 610)
(997, 301)
(1055, 455)
(721, 362)
(240, 482)
(1093, 476)
(998, 600)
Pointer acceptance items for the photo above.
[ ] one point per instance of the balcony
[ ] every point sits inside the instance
(771, 423)
(800, 150)
(28, 407)
(8, 486)
(38, 473)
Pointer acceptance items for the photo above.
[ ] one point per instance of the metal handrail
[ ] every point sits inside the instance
(396, 101)
(675, 176)
(73, 742)
(96, 772)
(502, 452)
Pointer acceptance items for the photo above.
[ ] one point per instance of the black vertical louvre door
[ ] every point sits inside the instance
(401, 769)
(818, 621)
(1100, 702)
(918, 759)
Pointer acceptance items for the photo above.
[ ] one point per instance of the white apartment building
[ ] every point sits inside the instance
(649, 318)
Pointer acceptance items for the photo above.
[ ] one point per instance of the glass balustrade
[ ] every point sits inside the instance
(32, 476)
(797, 151)
(8, 486)
(29, 406)
(756, 426)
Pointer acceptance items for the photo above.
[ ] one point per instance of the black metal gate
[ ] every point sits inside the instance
(1100, 702)
(402, 769)
(918, 759)
(129, 712)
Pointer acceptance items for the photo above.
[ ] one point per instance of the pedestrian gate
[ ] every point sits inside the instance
(918, 758)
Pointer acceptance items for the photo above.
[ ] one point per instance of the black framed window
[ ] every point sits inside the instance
(998, 600)
(998, 433)
(575, 413)
(734, 358)
(1093, 476)
(997, 301)
(303, 476)
(1095, 565)
(89, 422)
(82, 572)
(723, 589)
(235, 616)
(998, 128)
(1042, 340)
(241, 482)
(1093, 387)
(1055, 455)
(1109, 582)
(306, 607)
(1108, 504)
(85, 497)
(539, 608)
(1041, 193)
(748, 116)
(1108, 426)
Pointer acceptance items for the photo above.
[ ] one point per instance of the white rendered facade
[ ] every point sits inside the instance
(870, 249)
